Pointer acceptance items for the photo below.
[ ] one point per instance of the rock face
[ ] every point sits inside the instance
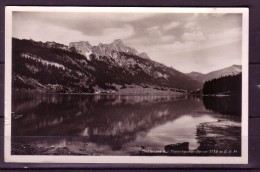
(177, 147)
(109, 49)
(56, 45)
(118, 45)
(81, 47)
(144, 55)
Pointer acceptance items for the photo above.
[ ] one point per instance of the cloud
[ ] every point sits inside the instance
(153, 28)
(176, 39)
(192, 26)
(199, 16)
(228, 36)
(110, 34)
(194, 41)
(204, 16)
(170, 26)
(41, 31)
(167, 38)
(157, 36)
(123, 17)
(194, 32)
(202, 58)
(193, 36)
(82, 16)
(89, 23)
(154, 31)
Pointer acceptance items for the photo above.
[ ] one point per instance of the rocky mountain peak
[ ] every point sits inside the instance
(118, 42)
(85, 48)
(144, 55)
(80, 44)
(100, 45)
(53, 44)
(82, 47)
(109, 49)
(118, 45)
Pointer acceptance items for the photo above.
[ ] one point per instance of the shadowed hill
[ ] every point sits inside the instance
(53, 67)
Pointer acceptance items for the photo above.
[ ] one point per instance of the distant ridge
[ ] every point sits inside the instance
(232, 70)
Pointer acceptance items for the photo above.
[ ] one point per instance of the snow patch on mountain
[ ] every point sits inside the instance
(44, 62)
(81, 47)
(87, 54)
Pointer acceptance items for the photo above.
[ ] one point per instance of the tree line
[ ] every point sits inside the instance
(226, 85)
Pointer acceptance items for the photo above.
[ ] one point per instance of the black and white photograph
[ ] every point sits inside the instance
(126, 85)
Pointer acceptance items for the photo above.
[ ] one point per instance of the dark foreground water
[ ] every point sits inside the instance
(111, 124)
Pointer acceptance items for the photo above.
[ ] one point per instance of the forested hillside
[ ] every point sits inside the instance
(226, 85)
(54, 67)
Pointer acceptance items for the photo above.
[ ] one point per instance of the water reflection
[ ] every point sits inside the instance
(167, 134)
(230, 105)
(111, 124)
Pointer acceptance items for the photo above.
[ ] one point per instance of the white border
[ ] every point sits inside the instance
(125, 159)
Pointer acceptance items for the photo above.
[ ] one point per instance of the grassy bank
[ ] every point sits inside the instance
(30, 149)
(221, 137)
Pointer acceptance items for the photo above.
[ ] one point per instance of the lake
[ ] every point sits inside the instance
(111, 124)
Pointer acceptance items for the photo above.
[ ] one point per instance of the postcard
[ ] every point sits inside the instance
(133, 85)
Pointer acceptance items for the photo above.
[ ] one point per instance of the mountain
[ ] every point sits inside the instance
(86, 49)
(81, 47)
(83, 68)
(49, 44)
(196, 76)
(144, 55)
(56, 45)
(232, 70)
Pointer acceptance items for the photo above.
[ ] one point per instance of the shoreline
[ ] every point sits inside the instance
(218, 138)
(30, 149)
(220, 135)
(174, 94)
(101, 94)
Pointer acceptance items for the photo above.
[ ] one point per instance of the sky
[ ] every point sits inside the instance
(185, 41)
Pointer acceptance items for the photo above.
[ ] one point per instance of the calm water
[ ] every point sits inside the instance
(112, 124)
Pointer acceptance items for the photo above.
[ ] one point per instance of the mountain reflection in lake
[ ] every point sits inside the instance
(107, 124)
